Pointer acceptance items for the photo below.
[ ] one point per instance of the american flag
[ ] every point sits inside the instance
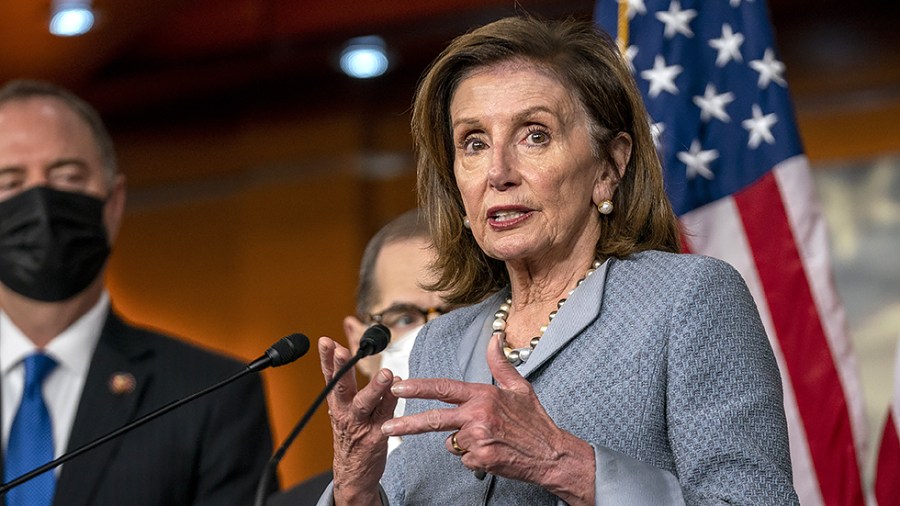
(737, 177)
(887, 479)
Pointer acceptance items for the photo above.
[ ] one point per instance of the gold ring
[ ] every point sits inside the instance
(455, 444)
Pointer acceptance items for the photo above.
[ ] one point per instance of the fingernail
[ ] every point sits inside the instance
(383, 378)
(387, 428)
(398, 388)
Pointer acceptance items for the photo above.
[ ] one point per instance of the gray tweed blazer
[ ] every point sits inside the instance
(659, 361)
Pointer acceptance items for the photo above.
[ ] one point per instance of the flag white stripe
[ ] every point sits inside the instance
(808, 225)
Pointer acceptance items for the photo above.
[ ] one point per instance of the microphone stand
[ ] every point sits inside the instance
(269, 472)
(112, 435)
(374, 340)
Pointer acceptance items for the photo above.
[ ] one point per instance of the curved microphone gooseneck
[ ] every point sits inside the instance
(374, 340)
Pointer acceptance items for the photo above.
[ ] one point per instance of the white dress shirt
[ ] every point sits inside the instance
(72, 350)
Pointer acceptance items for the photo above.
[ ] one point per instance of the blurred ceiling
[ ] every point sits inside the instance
(147, 54)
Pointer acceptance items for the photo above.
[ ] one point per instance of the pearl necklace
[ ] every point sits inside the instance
(518, 356)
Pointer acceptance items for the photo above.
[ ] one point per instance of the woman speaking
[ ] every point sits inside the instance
(597, 365)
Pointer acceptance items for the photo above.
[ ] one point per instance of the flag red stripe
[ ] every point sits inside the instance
(808, 359)
(887, 481)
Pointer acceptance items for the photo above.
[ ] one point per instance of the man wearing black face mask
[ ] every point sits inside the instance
(70, 369)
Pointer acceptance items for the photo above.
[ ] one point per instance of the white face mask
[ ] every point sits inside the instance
(396, 358)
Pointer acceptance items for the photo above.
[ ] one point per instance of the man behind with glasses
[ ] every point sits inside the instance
(393, 268)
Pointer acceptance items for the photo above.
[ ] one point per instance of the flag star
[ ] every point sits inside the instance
(728, 46)
(677, 20)
(760, 127)
(657, 130)
(635, 7)
(630, 53)
(697, 161)
(737, 3)
(769, 69)
(661, 77)
(712, 105)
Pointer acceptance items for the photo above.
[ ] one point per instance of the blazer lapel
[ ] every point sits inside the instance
(112, 391)
(582, 308)
(470, 354)
(579, 311)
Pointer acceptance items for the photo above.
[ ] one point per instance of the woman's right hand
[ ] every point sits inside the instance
(360, 447)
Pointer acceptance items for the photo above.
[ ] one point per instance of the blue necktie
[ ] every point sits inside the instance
(31, 439)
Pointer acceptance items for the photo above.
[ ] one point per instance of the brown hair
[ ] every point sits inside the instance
(585, 60)
(24, 89)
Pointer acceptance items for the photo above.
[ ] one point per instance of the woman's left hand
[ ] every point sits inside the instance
(360, 448)
(502, 429)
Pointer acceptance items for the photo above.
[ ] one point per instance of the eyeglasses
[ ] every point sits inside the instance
(400, 317)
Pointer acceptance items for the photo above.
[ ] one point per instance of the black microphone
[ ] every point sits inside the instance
(374, 340)
(285, 351)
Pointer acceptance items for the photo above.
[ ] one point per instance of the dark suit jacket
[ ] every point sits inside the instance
(210, 451)
(305, 493)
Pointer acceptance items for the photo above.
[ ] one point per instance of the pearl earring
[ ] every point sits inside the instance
(605, 207)
(466, 222)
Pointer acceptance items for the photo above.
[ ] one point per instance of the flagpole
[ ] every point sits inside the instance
(622, 27)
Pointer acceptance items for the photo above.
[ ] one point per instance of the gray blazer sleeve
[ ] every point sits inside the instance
(726, 421)
(621, 479)
(726, 425)
(327, 498)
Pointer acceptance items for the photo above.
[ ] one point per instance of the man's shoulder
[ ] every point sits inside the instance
(140, 341)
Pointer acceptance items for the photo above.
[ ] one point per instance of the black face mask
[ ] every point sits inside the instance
(52, 243)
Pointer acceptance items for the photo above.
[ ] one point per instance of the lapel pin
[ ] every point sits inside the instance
(122, 383)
